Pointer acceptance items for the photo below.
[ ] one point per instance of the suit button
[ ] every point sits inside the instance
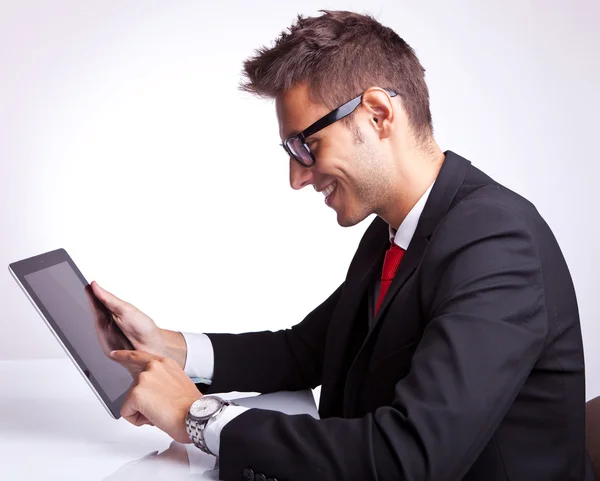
(248, 474)
(260, 477)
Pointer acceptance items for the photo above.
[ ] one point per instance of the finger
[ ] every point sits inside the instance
(130, 409)
(138, 419)
(112, 302)
(139, 358)
(94, 303)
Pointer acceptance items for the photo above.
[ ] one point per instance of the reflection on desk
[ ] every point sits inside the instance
(178, 462)
(52, 427)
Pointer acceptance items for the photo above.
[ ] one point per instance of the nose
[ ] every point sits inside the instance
(300, 176)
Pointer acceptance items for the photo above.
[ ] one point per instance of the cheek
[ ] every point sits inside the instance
(332, 156)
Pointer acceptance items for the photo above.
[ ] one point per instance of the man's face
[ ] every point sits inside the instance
(349, 170)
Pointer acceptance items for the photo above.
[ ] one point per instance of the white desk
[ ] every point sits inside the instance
(52, 427)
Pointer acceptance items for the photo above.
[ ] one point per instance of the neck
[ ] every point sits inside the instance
(415, 172)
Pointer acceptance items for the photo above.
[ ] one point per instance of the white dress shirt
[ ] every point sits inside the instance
(200, 361)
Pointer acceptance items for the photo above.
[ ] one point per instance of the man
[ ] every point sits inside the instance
(452, 350)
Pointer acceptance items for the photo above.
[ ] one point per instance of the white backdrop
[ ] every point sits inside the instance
(125, 140)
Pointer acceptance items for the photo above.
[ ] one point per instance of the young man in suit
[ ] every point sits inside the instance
(452, 350)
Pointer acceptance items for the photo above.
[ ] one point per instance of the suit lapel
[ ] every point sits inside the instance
(407, 267)
(371, 301)
(363, 270)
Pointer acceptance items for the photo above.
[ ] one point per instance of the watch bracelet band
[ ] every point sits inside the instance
(197, 435)
(195, 429)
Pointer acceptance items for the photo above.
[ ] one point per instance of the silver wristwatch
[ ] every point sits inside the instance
(202, 411)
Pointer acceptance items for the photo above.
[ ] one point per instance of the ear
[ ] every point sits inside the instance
(380, 109)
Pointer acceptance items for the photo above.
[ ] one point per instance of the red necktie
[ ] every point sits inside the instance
(393, 256)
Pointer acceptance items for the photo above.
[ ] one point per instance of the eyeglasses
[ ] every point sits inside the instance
(296, 146)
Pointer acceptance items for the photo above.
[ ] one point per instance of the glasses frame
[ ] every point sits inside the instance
(325, 121)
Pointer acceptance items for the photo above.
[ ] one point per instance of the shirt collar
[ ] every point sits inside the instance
(406, 231)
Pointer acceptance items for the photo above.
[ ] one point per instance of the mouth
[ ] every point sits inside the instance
(328, 192)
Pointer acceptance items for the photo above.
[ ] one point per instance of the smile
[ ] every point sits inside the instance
(327, 191)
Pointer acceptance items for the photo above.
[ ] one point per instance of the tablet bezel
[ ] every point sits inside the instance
(27, 266)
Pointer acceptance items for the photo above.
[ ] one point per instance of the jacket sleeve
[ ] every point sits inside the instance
(286, 360)
(487, 326)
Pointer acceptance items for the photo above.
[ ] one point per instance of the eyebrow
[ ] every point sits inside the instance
(312, 137)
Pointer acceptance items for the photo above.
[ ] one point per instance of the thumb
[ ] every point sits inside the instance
(112, 302)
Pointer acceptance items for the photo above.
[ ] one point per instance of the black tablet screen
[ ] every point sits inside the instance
(84, 323)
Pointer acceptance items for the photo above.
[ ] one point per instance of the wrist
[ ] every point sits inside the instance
(174, 346)
(203, 412)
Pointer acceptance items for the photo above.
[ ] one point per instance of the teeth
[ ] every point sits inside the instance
(329, 189)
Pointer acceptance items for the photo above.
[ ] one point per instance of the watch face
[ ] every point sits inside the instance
(205, 407)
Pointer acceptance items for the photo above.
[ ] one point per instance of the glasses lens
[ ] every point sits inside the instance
(299, 151)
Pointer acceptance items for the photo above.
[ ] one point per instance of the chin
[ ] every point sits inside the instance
(350, 219)
(345, 223)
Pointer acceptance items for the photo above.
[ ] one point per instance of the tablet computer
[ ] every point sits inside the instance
(79, 321)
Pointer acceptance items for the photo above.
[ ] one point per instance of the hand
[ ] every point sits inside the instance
(109, 335)
(162, 396)
(141, 330)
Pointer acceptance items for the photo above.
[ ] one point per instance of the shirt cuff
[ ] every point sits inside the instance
(200, 360)
(212, 431)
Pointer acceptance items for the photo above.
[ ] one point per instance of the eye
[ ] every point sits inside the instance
(312, 144)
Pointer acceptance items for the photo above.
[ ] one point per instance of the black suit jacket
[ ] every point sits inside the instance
(472, 370)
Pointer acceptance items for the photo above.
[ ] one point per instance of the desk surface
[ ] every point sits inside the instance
(52, 427)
